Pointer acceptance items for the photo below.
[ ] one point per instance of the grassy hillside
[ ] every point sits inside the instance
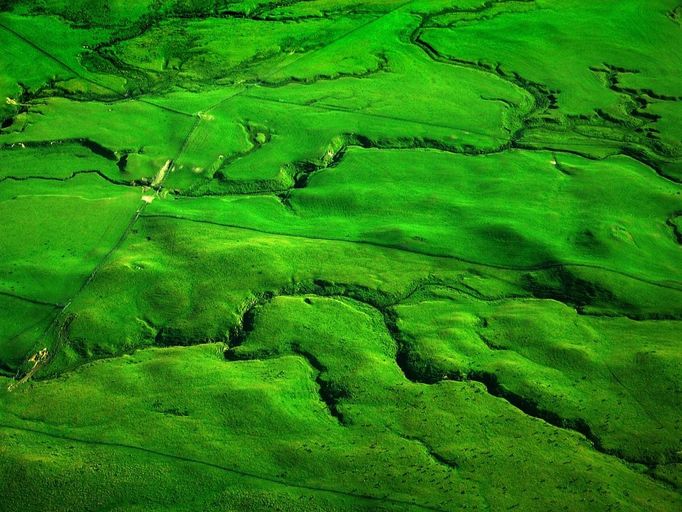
(340, 255)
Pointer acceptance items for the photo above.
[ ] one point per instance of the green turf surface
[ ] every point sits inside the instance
(340, 255)
(55, 233)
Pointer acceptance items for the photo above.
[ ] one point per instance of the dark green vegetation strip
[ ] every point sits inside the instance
(353, 255)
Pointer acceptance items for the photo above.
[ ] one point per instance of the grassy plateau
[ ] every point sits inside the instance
(340, 255)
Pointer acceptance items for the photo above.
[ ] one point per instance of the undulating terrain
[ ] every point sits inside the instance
(341, 255)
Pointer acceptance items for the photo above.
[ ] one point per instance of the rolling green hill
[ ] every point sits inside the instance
(344, 255)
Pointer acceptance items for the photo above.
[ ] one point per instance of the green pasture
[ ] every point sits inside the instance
(55, 233)
(541, 208)
(596, 370)
(586, 80)
(278, 402)
(356, 255)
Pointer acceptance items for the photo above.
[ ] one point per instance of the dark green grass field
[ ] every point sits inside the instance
(340, 255)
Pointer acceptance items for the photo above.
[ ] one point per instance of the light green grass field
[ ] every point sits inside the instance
(357, 255)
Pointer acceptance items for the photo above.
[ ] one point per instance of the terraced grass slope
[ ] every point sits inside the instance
(340, 255)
